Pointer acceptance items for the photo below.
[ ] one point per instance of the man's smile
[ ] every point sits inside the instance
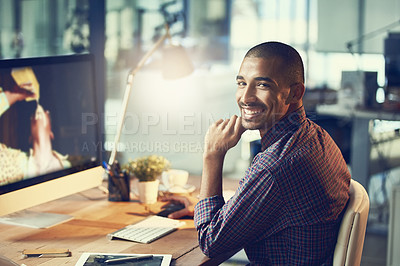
(250, 111)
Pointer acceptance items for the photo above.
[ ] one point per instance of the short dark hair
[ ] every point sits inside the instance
(291, 58)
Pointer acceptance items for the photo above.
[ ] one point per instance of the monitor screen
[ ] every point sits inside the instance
(49, 124)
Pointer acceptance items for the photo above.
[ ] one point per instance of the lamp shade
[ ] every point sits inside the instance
(176, 62)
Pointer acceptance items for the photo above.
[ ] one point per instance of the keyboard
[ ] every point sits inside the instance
(147, 230)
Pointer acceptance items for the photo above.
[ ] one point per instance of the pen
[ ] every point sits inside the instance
(106, 166)
(48, 253)
(131, 259)
(54, 255)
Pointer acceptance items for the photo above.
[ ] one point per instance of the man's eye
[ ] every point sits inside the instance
(241, 83)
(263, 85)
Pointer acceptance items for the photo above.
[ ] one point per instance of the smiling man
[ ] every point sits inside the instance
(287, 209)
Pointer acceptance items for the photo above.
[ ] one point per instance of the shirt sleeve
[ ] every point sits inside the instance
(245, 218)
(4, 105)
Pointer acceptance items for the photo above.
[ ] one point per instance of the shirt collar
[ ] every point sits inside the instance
(289, 123)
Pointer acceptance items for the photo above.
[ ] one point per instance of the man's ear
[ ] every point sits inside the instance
(296, 93)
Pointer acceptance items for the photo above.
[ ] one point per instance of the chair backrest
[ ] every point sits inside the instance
(351, 235)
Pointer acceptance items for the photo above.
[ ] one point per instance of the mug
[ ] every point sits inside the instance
(146, 191)
(174, 178)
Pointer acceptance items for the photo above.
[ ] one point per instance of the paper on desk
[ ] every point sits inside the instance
(35, 219)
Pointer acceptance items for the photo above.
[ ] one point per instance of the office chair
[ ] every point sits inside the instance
(350, 242)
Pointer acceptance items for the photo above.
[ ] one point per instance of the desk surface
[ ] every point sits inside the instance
(94, 218)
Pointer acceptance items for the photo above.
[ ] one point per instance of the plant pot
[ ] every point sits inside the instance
(148, 191)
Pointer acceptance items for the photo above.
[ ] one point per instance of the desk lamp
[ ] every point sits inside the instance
(176, 64)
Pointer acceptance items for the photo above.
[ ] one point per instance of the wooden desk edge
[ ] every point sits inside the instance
(196, 255)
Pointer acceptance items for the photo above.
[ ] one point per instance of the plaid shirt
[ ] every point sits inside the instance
(287, 209)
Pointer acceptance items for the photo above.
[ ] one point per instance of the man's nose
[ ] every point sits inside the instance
(248, 95)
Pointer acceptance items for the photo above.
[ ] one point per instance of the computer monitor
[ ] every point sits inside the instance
(48, 155)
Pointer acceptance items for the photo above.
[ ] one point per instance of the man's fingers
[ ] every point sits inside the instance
(223, 135)
(223, 124)
(231, 121)
(239, 127)
(180, 213)
(234, 125)
(219, 122)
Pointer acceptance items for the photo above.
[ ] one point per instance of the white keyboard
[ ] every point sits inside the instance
(147, 230)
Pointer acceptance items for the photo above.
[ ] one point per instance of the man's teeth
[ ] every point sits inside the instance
(252, 112)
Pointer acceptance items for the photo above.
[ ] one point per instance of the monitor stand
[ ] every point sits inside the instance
(33, 219)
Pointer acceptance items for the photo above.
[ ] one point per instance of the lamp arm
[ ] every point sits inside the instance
(370, 35)
(128, 88)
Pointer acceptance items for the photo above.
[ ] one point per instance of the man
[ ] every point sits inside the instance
(287, 209)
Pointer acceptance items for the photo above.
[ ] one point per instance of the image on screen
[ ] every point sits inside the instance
(48, 119)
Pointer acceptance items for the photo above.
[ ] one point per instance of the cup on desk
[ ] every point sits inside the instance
(174, 178)
(146, 191)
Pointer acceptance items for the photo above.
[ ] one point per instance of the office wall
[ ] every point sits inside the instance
(343, 21)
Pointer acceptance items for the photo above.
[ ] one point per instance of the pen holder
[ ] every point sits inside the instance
(119, 187)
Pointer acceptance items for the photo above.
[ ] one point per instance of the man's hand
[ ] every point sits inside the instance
(223, 135)
(188, 201)
(220, 137)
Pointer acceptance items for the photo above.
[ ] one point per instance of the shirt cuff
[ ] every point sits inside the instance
(206, 208)
(4, 105)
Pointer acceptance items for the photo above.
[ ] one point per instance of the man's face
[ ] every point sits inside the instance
(262, 92)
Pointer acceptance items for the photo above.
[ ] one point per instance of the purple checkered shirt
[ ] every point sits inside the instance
(287, 209)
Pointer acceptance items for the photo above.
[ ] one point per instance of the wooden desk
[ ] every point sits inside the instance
(94, 218)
